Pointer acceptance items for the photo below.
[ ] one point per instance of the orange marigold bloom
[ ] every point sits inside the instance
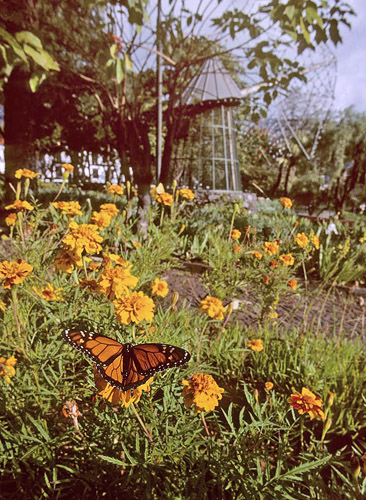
(159, 288)
(302, 240)
(115, 282)
(83, 237)
(7, 369)
(68, 167)
(256, 345)
(286, 202)
(14, 272)
(315, 241)
(25, 172)
(101, 219)
(235, 234)
(256, 255)
(11, 219)
(307, 402)
(115, 396)
(66, 261)
(186, 193)
(115, 189)
(134, 308)
(49, 293)
(213, 307)
(19, 205)
(108, 257)
(202, 391)
(274, 263)
(165, 199)
(266, 279)
(69, 208)
(268, 386)
(271, 247)
(287, 259)
(292, 284)
(236, 248)
(110, 209)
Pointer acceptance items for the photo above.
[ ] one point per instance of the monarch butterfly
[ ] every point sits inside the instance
(125, 366)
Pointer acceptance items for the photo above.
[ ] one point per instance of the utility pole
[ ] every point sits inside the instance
(159, 85)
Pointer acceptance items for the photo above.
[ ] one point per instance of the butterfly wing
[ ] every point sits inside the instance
(151, 358)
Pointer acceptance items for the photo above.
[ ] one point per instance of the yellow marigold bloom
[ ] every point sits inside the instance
(11, 219)
(256, 255)
(101, 219)
(14, 272)
(292, 284)
(19, 205)
(186, 193)
(25, 172)
(302, 240)
(49, 293)
(307, 402)
(115, 282)
(159, 288)
(115, 189)
(7, 369)
(287, 259)
(137, 244)
(213, 307)
(235, 234)
(164, 198)
(268, 386)
(115, 396)
(83, 237)
(108, 257)
(68, 167)
(2, 305)
(274, 263)
(66, 261)
(202, 391)
(134, 308)
(286, 202)
(236, 248)
(69, 208)
(315, 241)
(271, 247)
(110, 209)
(256, 345)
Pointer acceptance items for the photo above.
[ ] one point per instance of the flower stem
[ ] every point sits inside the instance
(148, 435)
(15, 303)
(205, 424)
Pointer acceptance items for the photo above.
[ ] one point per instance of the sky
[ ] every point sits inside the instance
(351, 54)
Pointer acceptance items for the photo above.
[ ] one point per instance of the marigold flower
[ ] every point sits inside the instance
(89, 284)
(268, 386)
(236, 248)
(286, 202)
(14, 272)
(165, 199)
(307, 402)
(302, 240)
(159, 288)
(315, 241)
(266, 279)
(292, 284)
(108, 257)
(115, 189)
(213, 307)
(115, 396)
(137, 244)
(274, 263)
(2, 305)
(235, 234)
(83, 237)
(186, 193)
(271, 247)
(115, 282)
(110, 209)
(70, 409)
(11, 219)
(256, 345)
(49, 293)
(134, 308)
(7, 369)
(101, 219)
(19, 205)
(257, 255)
(25, 172)
(287, 259)
(67, 167)
(69, 208)
(202, 391)
(66, 261)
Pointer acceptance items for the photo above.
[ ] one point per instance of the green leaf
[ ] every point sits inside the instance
(29, 38)
(42, 58)
(112, 460)
(119, 71)
(304, 30)
(128, 62)
(113, 50)
(290, 11)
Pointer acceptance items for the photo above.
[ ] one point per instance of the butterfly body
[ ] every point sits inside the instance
(126, 366)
